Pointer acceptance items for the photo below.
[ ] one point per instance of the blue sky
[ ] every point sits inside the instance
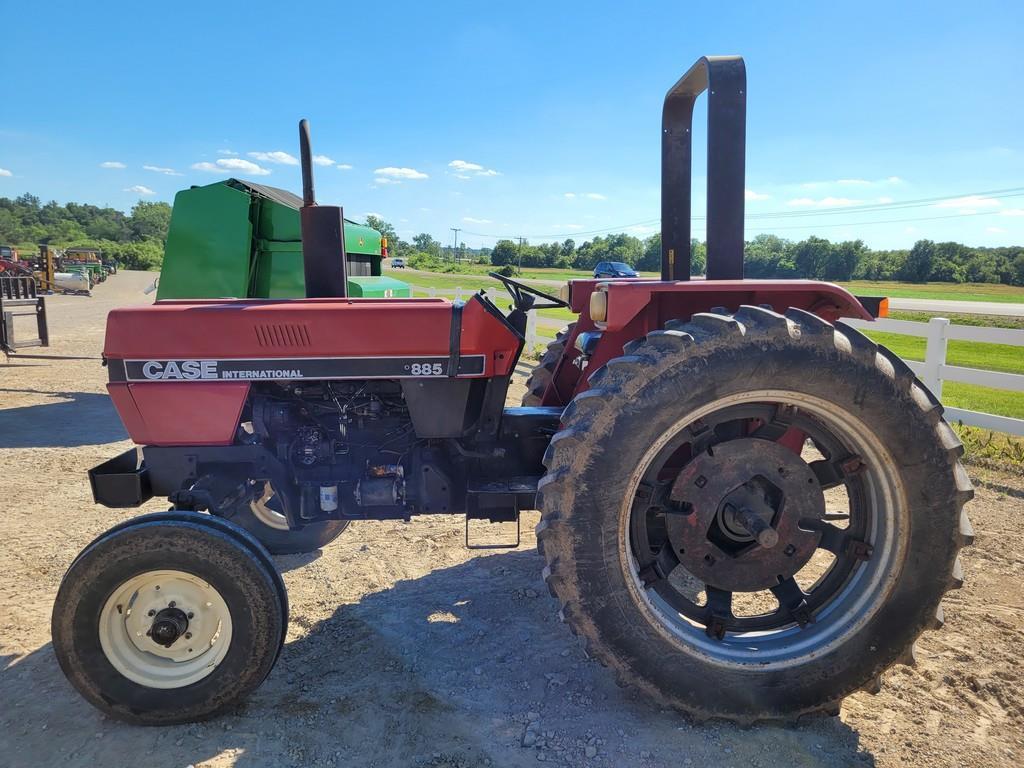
(542, 119)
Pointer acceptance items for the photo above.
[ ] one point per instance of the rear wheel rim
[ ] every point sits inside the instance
(854, 591)
(132, 613)
(263, 509)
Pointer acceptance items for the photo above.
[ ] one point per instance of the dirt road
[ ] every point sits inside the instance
(405, 649)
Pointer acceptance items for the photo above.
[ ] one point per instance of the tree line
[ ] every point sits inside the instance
(135, 239)
(766, 256)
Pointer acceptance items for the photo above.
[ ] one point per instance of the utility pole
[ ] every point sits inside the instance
(455, 241)
(521, 253)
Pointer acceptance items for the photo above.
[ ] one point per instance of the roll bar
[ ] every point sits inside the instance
(725, 79)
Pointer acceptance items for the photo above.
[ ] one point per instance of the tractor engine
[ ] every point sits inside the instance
(348, 446)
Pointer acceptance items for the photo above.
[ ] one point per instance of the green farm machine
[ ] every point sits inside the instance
(244, 240)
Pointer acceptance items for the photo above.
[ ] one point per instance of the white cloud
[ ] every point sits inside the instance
(885, 199)
(5, 172)
(344, 167)
(322, 160)
(471, 220)
(973, 201)
(228, 152)
(374, 214)
(400, 173)
(462, 165)
(279, 157)
(825, 202)
(570, 195)
(749, 194)
(229, 164)
(852, 182)
(969, 204)
(995, 230)
(159, 169)
(140, 190)
(1006, 212)
(463, 168)
(910, 230)
(595, 196)
(385, 180)
(113, 164)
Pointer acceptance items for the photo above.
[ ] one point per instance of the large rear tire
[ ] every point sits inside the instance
(169, 618)
(757, 414)
(541, 375)
(264, 519)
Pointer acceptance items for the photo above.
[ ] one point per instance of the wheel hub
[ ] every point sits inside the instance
(168, 625)
(739, 506)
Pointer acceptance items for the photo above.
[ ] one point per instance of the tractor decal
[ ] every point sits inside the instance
(292, 368)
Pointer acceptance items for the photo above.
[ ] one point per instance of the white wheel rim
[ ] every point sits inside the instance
(129, 613)
(269, 517)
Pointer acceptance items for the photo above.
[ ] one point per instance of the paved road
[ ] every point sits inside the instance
(942, 307)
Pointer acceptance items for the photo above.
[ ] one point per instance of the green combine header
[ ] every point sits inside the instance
(240, 239)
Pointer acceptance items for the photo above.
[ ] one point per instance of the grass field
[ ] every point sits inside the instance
(944, 291)
(1010, 294)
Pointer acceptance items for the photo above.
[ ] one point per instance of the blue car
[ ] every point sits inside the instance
(614, 269)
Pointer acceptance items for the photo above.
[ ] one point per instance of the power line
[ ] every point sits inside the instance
(883, 221)
(891, 206)
(775, 215)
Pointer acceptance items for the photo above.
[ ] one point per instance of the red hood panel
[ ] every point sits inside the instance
(306, 328)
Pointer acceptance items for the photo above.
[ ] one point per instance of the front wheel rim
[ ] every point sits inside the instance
(165, 605)
(856, 600)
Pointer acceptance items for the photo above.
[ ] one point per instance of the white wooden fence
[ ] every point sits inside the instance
(933, 371)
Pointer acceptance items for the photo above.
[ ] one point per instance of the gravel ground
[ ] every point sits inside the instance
(405, 649)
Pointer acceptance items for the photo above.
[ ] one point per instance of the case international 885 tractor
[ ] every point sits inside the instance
(749, 510)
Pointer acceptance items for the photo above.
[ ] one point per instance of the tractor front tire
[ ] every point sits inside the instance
(650, 564)
(169, 618)
(541, 375)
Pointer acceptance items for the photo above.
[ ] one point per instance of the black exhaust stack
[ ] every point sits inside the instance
(323, 234)
(725, 80)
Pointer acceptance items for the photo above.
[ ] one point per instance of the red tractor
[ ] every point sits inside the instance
(749, 509)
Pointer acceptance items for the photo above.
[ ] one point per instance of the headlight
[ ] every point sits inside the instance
(599, 306)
